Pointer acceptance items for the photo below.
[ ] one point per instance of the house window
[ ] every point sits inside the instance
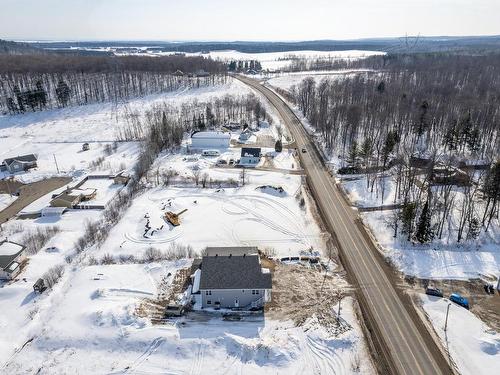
(208, 292)
(255, 291)
(209, 302)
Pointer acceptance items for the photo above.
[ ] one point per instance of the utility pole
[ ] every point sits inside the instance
(446, 321)
(55, 161)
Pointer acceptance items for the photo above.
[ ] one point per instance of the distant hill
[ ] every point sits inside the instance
(402, 44)
(14, 48)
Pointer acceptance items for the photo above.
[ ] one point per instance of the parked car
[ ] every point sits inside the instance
(431, 291)
(304, 150)
(459, 300)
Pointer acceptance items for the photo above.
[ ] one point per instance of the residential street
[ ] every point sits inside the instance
(401, 339)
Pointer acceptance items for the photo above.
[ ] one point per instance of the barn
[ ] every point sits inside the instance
(209, 140)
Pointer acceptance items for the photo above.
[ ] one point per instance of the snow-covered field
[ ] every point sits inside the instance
(286, 80)
(94, 329)
(89, 322)
(57, 135)
(279, 60)
(241, 216)
(474, 347)
(268, 60)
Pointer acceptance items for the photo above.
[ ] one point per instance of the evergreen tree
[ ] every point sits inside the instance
(19, 98)
(41, 95)
(278, 146)
(381, 87)
(11, 106)
(353, 153)
(391, 140)
(232, 66)
(407, 218)
(63, 93)
(423, 118)
(474, 228)
(424, 231)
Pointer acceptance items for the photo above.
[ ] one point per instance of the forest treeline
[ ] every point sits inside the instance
(428, 120)
(192, 116)
(38, 82)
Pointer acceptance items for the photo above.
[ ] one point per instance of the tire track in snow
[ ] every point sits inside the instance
(153, 347)
(329, 359)
(197, 365)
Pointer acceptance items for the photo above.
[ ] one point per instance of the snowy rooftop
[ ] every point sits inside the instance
(214, 134)
(9, 248)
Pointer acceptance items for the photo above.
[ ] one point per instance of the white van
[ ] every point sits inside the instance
(210, 153)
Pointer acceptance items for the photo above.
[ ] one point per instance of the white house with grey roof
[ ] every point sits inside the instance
(11, 258)
(232, 281)
(20, 163)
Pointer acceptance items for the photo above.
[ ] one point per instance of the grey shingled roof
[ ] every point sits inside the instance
(22, 158)
(233, 272)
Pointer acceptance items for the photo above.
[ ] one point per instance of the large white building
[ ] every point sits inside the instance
(210, 140)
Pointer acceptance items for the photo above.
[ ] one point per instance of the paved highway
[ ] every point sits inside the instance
(400, 338)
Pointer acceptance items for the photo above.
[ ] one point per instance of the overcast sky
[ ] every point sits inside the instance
(244, 20)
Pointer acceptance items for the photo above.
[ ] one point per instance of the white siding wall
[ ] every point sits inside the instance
(227, 297)
(207, 143)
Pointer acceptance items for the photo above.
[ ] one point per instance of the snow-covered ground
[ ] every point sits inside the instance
(219, 217)
(474, 347)
(57, 135)
(93, 328)
(18, 301)
(268, 60)
(441, 259)
(438, 260)
(279, 60)
(6, 200)
(286, 80)
(88, 323)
